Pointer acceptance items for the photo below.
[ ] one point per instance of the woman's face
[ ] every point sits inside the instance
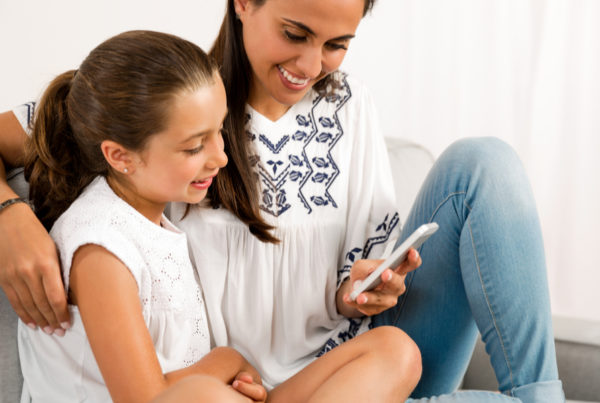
(292, 44)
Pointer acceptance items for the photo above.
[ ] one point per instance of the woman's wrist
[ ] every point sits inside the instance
(343, 308)
(11, 201)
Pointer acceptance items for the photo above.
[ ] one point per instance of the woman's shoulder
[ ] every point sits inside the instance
(345, 91)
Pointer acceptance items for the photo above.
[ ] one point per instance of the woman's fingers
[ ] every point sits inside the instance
(29, 270)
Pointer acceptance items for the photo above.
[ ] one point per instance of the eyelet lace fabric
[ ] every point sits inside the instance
(169, 291)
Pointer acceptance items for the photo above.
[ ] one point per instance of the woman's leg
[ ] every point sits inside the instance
(483, 269)
(381, 365)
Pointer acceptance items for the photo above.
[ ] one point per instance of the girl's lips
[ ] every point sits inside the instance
(202, 185)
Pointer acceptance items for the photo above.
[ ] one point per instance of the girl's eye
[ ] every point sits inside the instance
(293, 37)
(194, 151)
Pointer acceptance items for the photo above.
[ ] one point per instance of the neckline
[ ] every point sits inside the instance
(165, 225)
(286, 116)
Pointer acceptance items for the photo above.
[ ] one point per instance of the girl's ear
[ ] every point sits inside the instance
(241, 7)
(117, 156)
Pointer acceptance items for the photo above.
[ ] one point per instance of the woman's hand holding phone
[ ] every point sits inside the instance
(375, 285)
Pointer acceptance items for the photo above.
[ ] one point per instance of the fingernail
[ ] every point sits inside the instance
(32, 326)
(59, 332)
(235, 384)
(363, 300)
(389, 276)
(48, 330)
(65, 325)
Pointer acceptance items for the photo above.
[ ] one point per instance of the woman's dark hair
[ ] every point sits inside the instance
(236, 185)
(121, 92)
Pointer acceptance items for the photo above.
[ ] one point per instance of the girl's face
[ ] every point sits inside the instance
(179, 163)
(292, 44)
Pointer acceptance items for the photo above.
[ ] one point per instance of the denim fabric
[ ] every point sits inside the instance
(484, 270)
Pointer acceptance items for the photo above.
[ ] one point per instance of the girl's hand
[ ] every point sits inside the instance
(249, 387)
(30, 272)
(386, 294)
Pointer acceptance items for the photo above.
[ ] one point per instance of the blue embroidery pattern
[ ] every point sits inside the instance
(30, 112)
(383, 232)
(343, 336)
(274, 148)
(301, 162)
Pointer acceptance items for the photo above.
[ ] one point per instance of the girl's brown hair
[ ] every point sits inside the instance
(237, 184)
(121, 92)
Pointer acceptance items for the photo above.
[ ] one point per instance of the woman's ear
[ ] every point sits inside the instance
(117, 156)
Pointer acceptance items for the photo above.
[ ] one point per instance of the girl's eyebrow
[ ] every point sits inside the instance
(201, 134)
(311, 32)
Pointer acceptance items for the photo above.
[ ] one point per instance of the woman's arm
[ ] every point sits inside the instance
(29, 269)
(107, 296)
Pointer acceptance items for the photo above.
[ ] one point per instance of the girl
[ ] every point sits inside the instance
(136, 126)
(324, 183)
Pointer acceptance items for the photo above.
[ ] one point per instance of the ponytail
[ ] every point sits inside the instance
(121, 92)
(54, 167)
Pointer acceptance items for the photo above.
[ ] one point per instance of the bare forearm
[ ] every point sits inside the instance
(222, 363)
(5, 191)
(12, 150)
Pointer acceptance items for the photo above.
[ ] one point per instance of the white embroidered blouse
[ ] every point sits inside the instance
(327, 187)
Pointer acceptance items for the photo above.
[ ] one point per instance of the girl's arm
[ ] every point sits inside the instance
(107, 296)
(29, 272)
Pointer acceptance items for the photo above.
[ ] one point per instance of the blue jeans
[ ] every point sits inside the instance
(483, 272)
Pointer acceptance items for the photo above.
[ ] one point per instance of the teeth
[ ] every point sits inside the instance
(291, 78)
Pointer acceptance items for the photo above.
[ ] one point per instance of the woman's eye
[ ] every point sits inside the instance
(293, 37)
(336, 46)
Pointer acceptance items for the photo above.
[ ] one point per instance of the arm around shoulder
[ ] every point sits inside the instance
(12, 140)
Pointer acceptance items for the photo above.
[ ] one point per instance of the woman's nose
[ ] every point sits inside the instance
(310, 61)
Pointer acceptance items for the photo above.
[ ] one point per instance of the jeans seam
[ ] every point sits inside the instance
(431, 217)
(483, 288)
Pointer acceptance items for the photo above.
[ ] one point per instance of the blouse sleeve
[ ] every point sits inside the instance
(24, 114)
(373, 221)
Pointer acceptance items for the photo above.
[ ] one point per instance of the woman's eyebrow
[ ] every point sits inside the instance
(311, 32)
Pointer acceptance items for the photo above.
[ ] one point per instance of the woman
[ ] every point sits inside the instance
(326, 188)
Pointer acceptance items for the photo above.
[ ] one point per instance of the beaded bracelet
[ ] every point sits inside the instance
(9, 202)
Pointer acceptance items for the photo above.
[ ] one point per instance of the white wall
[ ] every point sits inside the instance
(522, 70)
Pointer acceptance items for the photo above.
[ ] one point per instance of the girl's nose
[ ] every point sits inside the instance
(218, 158)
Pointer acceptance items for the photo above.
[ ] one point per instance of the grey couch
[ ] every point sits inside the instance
(578, 342)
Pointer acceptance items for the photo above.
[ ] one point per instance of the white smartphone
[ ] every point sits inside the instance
(415, 240)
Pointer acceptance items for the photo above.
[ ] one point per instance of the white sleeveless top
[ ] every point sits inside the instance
(63, 369)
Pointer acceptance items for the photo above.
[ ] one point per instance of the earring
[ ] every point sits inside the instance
(125, 170)
(237, 16)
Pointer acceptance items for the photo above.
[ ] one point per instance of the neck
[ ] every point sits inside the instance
(125, 190)
(265, 104)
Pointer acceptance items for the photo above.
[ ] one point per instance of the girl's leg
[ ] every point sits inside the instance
(483, 269)
(199, 389)
(381, 365)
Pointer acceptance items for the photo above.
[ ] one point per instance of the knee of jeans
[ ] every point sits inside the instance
(488, 156)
